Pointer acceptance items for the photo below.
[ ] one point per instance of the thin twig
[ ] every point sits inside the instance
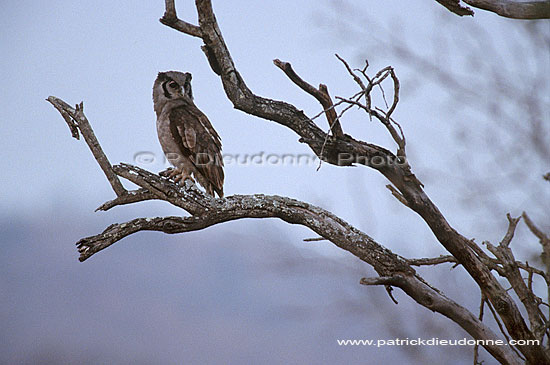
(396, 88)
(397, 195)
(433, 260)
(480, 317)
(502, 330)
(512, 224)
(314, 239)
(321, 94)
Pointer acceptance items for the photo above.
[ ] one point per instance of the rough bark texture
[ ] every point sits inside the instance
(506, 8)
(364, 153)
(340, 149)
(514, 9)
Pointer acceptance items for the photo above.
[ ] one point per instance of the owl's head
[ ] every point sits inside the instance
(171, 85)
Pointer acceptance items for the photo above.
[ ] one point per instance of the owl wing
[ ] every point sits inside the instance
(198, 141)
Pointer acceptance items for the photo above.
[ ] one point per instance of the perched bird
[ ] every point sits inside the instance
(188, 140)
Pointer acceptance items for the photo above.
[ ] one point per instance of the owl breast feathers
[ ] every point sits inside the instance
(187, 137)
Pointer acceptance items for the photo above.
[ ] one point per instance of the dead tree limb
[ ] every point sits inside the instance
(511, 271)
(206, 211)
(321, 94)
(77, 121)
(514, 9)
(331, 150)
(341, 150)
(454, 6)
(538, 9)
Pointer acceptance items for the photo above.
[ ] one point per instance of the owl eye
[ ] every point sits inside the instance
(173, 85)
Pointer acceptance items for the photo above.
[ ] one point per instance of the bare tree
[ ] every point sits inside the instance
(525, 334)
(497, 83)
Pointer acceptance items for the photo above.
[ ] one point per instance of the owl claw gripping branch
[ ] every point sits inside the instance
(188, 140)
(180, 175)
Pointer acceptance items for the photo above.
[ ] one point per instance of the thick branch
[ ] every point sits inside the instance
(213, 211)
(360, 152)
(538, 9)
(115, 232)
(324, 223)
(192, 200)
(514, 9)
(437, 302)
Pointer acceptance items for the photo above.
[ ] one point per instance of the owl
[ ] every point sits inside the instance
(187, 137)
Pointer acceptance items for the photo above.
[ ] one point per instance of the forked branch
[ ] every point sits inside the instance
(321, 94)
(77, 121)
(339, 149)
(331, 149)
(206, 211)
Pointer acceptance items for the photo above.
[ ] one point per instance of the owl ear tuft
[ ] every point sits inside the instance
(188, 76)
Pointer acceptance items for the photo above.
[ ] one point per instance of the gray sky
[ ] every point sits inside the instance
(108, 54)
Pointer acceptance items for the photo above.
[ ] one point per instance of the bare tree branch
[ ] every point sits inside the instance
(539, 9)
(383, 117)
(129, 198)
(212, 211)
(502, 329)
(207, 211)
(76, 120)
(512, 273)
(171, 20)
(397, 195)
(514, 9)
(432, 261)
(493, 264)
(455, 7)
(481, 308)
(342, 150)
(544, 240)
(433, 300)
(321, 94)
(192, 201)
(314, 239)
(363, 153)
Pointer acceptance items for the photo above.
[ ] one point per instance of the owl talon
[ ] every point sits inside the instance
(174, 172)
(179, 175)
(180, 179)
(166, 173)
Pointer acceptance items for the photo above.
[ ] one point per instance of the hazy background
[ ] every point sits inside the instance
(248, 291)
